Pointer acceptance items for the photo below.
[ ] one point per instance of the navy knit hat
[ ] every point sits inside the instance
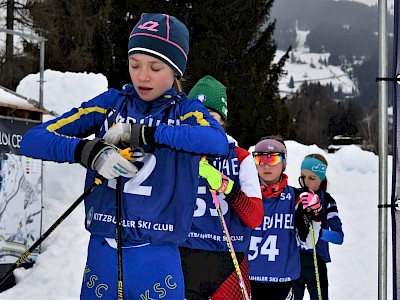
(163, 37)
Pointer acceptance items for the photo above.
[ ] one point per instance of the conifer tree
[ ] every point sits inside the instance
(230, 40)
(291, 82)
(76, 33)
(318, 117)
(233, 42)
(14, 64)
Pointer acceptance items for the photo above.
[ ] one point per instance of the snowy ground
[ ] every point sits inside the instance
(57, 274)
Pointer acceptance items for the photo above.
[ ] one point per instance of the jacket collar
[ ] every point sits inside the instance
(274, 190)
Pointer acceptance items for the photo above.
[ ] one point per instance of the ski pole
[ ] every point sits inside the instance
(129, 154)
(315, 261)
(230, 245)
(99, 180)
(118, 236)
(303, 184)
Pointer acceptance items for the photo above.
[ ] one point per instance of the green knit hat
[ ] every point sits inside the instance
(212, 93)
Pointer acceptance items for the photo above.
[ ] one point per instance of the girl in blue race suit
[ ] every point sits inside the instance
(313, 176)
(273, 253)
(158, 191)
(207, 264)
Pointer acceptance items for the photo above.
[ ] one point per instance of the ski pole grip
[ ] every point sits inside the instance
(127, 154)
(130, 154)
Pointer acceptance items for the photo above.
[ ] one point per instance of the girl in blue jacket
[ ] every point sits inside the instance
(158, 190)
(313, 175)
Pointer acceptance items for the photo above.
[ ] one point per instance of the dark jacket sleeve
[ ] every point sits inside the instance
(334, 232)
(301, 221)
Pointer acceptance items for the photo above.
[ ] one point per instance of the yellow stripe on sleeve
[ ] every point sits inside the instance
(81, 111)
(199, 118)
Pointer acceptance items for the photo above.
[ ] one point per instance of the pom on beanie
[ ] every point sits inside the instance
(163, 37)
(212, 93)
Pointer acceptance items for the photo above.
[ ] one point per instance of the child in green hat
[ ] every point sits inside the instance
(206, 261)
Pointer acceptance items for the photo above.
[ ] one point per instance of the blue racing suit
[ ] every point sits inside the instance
(159, 201)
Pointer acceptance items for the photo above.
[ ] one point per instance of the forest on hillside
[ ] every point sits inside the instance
(235, 42)
(347, 30)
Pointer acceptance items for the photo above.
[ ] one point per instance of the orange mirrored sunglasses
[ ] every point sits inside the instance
(272, 159)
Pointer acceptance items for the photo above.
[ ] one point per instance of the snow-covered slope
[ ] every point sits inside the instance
(311, 67)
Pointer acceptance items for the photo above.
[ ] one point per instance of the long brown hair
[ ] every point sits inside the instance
(177, 85)
(324, 183)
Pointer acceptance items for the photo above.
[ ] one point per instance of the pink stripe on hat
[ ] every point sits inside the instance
(160, 38)
(167, 21)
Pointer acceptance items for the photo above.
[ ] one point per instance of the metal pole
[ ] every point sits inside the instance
(41, 70)
(382, 151)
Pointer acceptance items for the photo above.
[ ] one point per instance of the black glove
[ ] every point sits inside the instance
(142, 135)
(301, 223)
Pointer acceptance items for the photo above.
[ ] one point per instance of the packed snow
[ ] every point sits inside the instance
(57, 274)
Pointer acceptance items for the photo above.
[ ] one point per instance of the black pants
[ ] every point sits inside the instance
(205, 271)
(308, 278)
(271, 290)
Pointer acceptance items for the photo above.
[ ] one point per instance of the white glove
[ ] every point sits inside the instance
(110, 164)
(119, 134)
